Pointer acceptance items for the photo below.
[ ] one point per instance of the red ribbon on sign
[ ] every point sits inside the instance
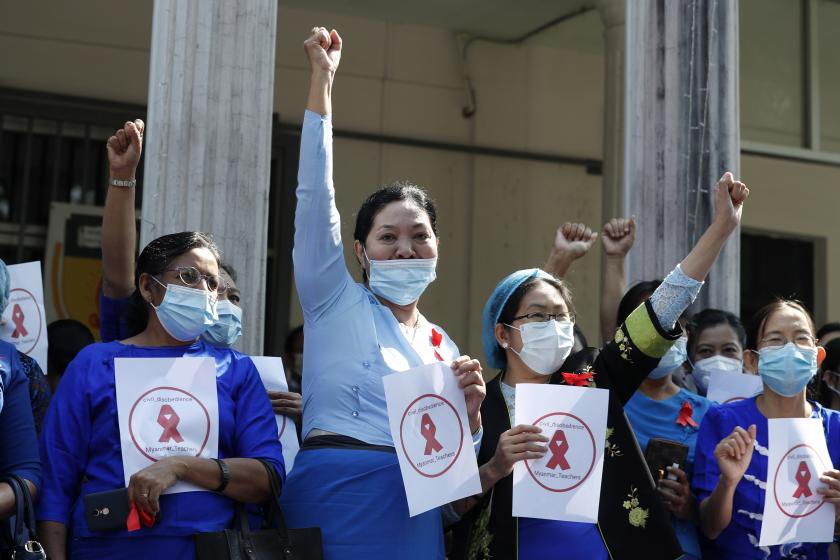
(135, 516)
(803, 477)
(428, 430)
(169, 420)
(437, 338)
(578, 379)
(17, 319)
(558, 446)
(684, 418)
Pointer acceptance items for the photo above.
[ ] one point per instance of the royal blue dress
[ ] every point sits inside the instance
(80, 446)
(658, 419)
(740, 538)
(18, 441)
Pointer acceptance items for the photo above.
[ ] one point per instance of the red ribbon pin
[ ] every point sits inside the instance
(684, 418)
(803, 477)
(578, 379)
(169, 420)
(437, 338)
(558, 446)
(428, 430)
(17, 319)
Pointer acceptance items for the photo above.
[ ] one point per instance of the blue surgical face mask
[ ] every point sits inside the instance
(787, 369)
(185, 312)
(225, 331)
(672, 359)
(401, 281)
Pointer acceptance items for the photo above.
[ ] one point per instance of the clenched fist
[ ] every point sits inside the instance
(323, 49)
(124, 150)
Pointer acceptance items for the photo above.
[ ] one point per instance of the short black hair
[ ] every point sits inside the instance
(67, 337)
(634, 297)
(709, 318)
(227, 267)
(290, 338)
(828, 328)
(759, 320)
(401, 190)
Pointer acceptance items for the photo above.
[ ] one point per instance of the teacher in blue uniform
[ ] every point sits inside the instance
(177, 283)
(346, 478)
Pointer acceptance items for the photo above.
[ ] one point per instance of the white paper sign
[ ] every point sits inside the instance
(793, 510)
(726, 387)
(428, 418)
(274, 378)
(166, 407)
(565, 484)
(25, 319)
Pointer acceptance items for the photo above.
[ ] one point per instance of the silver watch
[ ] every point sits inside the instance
(131, 183)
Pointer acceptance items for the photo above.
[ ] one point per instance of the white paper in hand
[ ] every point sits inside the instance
(25, 319)
(431, 432)
(793, 510)
(273, 377)
(726, 387)
(564, 485)
(167, 407)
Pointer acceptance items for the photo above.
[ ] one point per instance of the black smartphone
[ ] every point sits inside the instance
(107, 511)
(662, 453)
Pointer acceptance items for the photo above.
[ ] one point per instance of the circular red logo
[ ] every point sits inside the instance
(431, 435)
(23, 316)
(168, 421)
(571, 453)
(795, 482)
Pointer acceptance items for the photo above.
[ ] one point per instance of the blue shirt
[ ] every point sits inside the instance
(80, 441)
(740, 538)
(18, 441)
(352, 341)
(658, 419)
(113, 318)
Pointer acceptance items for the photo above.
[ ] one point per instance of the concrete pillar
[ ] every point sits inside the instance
(208, 145)
(681, 133)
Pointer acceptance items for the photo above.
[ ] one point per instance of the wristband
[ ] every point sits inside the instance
(225, 475)
(131, 183)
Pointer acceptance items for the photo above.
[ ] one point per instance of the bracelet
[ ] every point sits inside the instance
(225, 475)
(131, 183)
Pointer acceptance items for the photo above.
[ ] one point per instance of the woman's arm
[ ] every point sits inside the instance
(683, 284)
(320, 270)
(53, 537)
(18, 441)
(119, 233)
(617, 238)
(733, 455)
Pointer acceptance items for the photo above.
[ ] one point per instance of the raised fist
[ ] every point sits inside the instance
(574, 240)
(323, 49)
(618, 236)
(124, 149)
(729, 199)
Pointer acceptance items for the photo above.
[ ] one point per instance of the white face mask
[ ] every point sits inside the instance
(546, 345)
(401, 281)
(702, 370)
(673, 358)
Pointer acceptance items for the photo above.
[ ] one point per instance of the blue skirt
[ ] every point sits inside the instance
(356, 497)
(131, 548)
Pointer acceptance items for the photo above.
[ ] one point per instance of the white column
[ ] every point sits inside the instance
(681, 133)
(208, 145)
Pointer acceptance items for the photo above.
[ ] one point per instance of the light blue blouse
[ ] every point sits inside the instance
(352, 341)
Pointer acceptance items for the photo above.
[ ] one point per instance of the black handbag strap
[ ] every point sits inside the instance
(275, 513)
(24, 526)
(29, 509)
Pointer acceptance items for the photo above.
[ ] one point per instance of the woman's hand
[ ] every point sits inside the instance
(734, 453)
(468, 372)
(124, 149)
(146, 486)
(831, 494)
(676, 494)
(517, 444)
(729, 200)
(618, 236)
(287, 404)
(323, 49)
